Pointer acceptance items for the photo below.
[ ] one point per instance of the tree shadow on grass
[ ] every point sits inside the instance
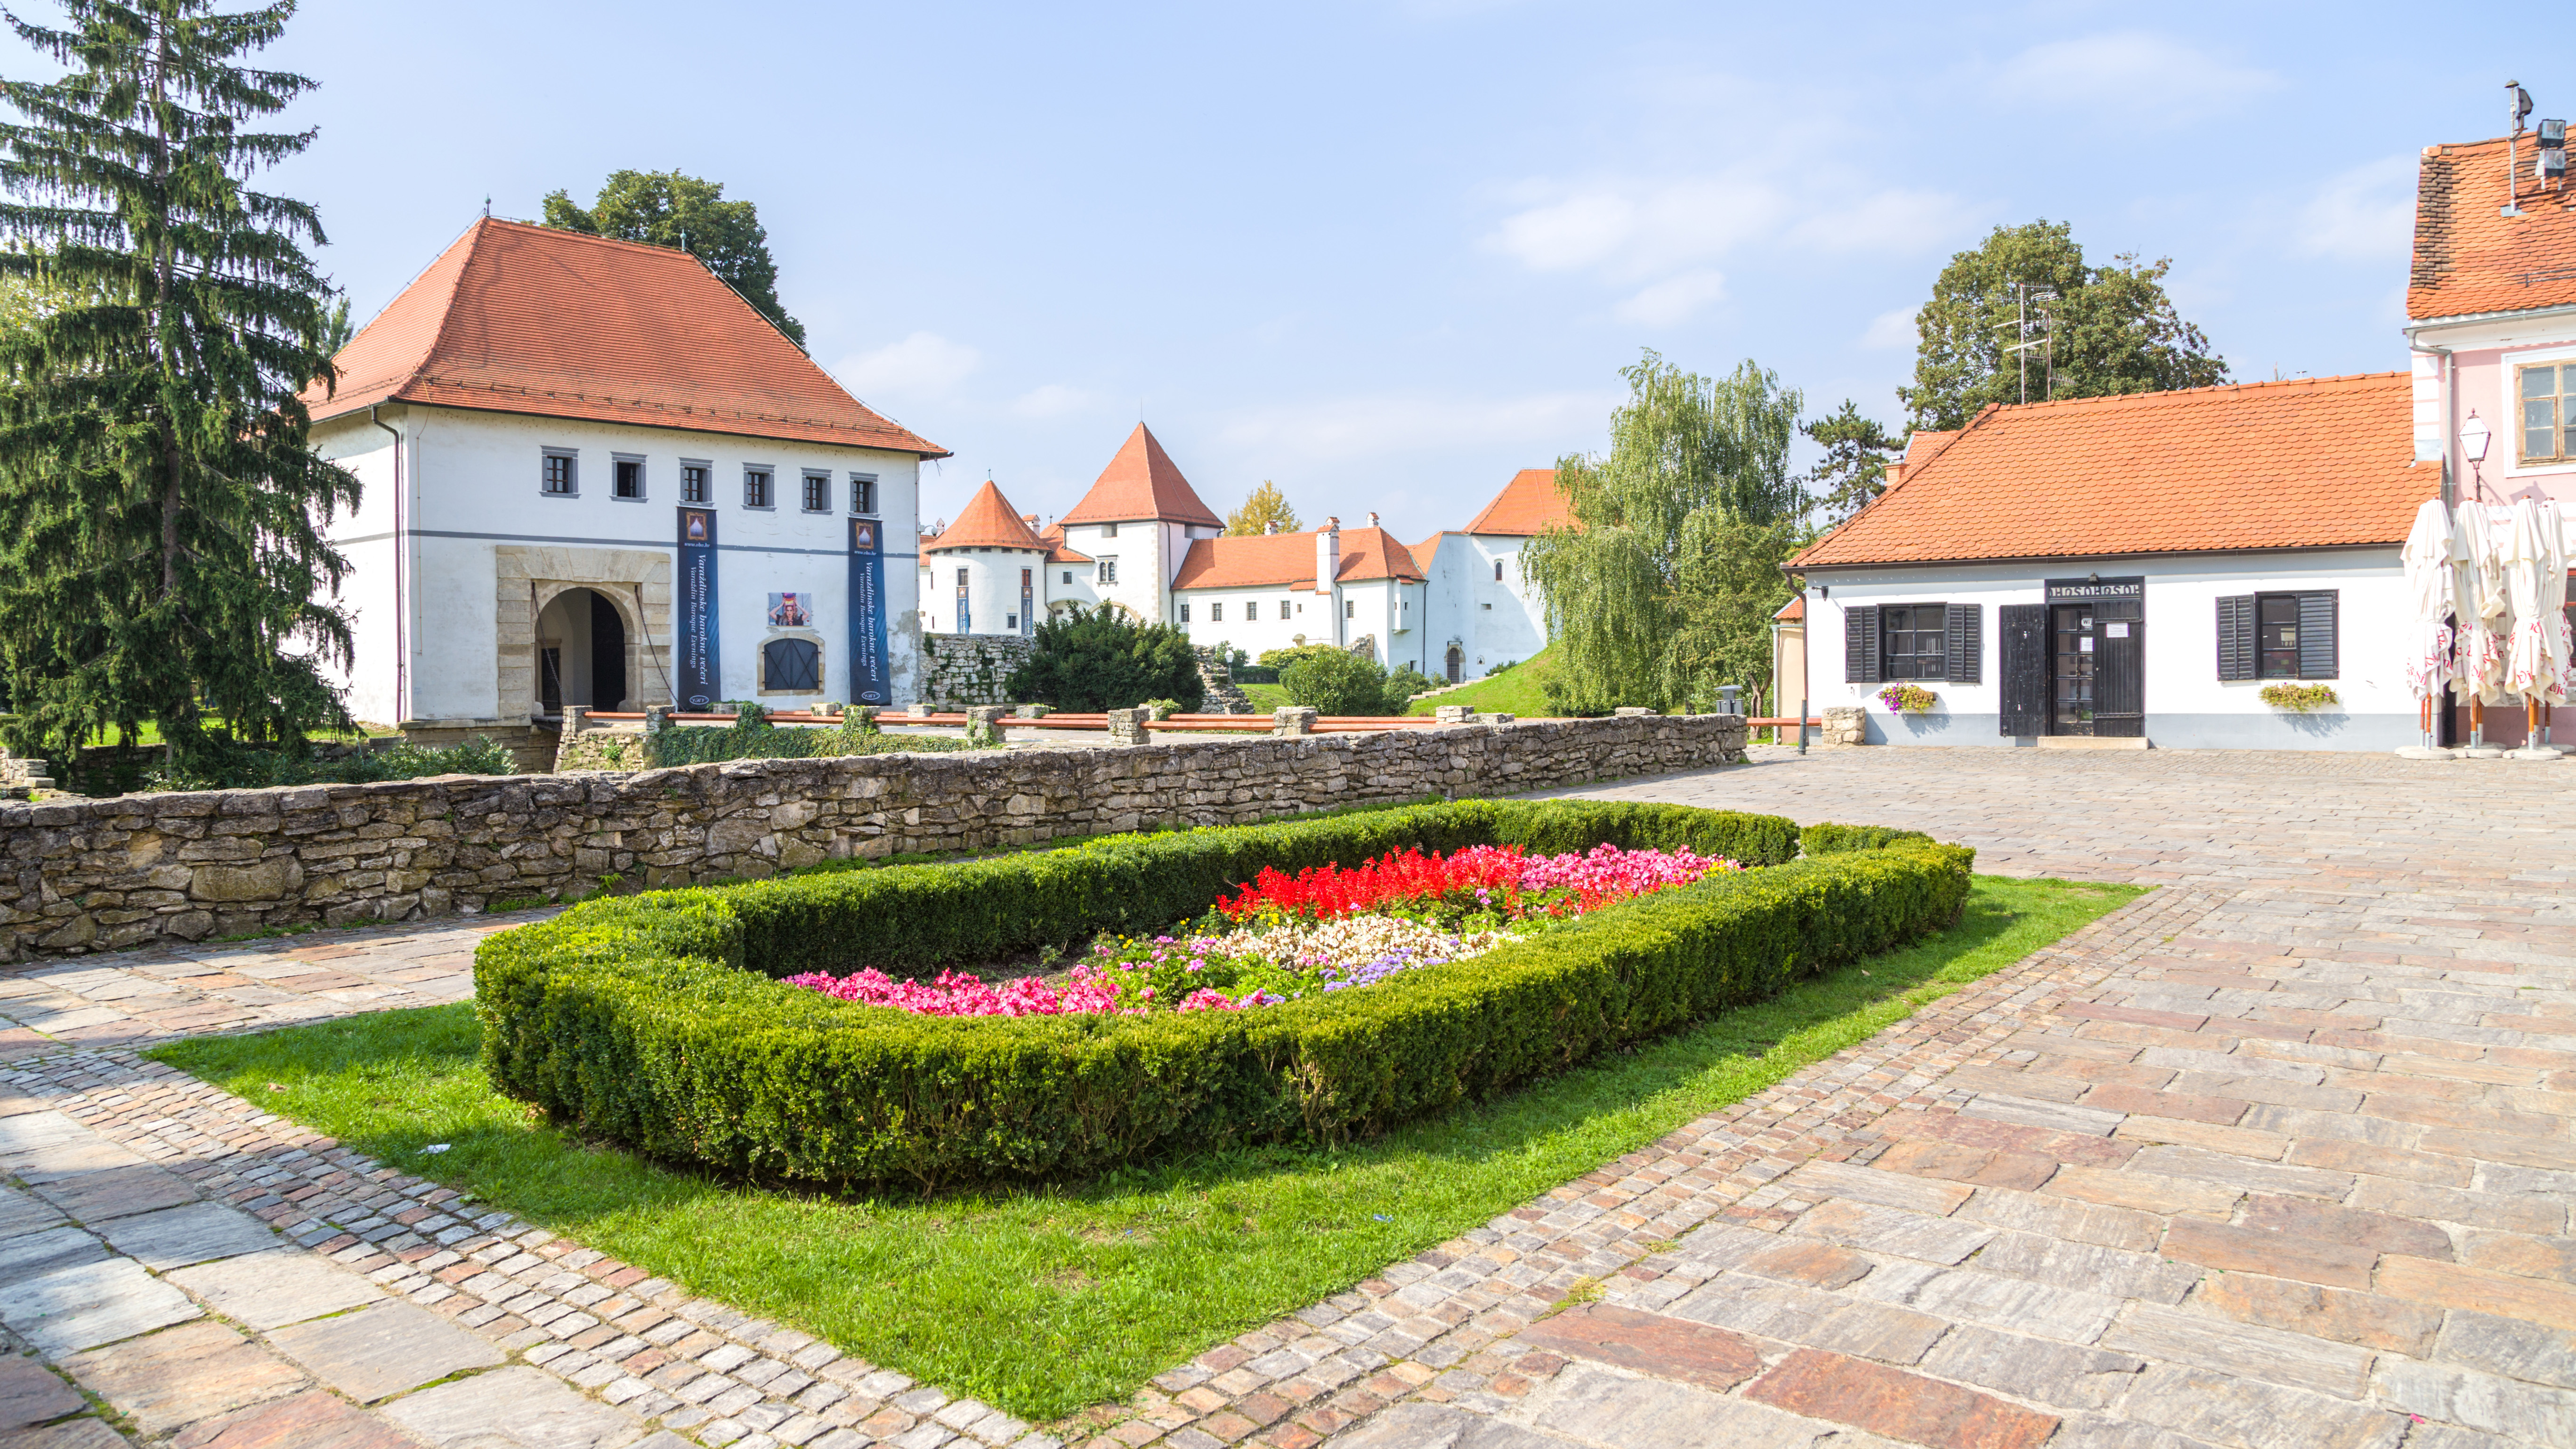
(1045, 1297)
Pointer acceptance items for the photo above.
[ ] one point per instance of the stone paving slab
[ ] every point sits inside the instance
(2278, 1155)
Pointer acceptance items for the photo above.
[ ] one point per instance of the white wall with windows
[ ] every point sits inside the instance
(991, 580)
(2196, 693)
(1255, 619)
(1475, 603)
(473, 481)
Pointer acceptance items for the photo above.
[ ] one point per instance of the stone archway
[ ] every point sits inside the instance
(634, 582)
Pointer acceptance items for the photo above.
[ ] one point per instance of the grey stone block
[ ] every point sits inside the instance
(46, 1249)
(23, 1212)
(512, 1406)
(383, 1349)
(271, 1290)
(2241, 1349)
(2056, 1374)
(70, 1309)
(197, 1233)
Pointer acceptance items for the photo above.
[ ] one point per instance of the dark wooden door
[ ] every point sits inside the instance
(2022, 677)
(2119, 671)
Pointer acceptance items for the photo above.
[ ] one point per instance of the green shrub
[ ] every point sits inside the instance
(1402, 685)
(245, 767)
(652, 1020)
(1827, 838)
(1094, 659)
(1276, 659)
(752, 737)
(1336, 682)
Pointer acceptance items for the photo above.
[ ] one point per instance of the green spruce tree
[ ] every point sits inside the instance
(161, 513)
(1854, 468)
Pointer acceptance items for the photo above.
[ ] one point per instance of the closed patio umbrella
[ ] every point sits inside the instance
(2477, 609)
(2429, 554)
(2534, 565)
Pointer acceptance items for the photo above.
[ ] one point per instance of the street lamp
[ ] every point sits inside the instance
(2473, 438)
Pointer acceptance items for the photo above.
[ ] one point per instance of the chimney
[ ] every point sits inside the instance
(1328, 555)
(1372, 520)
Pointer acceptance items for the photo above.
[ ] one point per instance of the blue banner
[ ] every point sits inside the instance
(693, 603)
(869, 683)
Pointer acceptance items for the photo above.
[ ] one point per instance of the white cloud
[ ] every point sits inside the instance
(1634, 229)
(1891, 331)
(1337, 429)
(2135, 71)
(924, 364)
(1054, 400)
(1893, 222)
(1673, 301)
(2364, 214)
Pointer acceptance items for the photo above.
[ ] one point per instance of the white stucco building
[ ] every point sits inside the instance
(2134, 568)
(595, 476)
(1141, 540)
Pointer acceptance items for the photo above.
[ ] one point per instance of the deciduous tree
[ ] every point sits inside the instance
(161, 514)
(2114, 329)
(1663, 586)
(1266, 511)
(669, 209)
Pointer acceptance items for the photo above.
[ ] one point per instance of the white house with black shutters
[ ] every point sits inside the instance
(2134, 568)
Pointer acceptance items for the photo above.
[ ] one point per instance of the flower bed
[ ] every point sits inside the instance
(1326, 928)
(659, 1020)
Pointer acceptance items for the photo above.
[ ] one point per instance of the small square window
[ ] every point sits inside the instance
(863, 493)
(1216, 613)
(1251, 610)
(755, 488)
(1285, 605)
(1913, 641)
(1185, 613)
(629, 481)
(818, 492)
(1068, 576)
(694, 487)
(2548, 398)
(559, 478)
(961, 578)
(1109, 530)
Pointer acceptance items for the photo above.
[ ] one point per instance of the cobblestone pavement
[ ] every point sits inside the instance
(134, 998)
(2279, 1155)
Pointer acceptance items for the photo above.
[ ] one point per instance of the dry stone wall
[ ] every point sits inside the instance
(962, 669)
(88, 875)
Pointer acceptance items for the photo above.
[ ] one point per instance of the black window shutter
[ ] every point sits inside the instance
(1964, 638)
(2236, 637)
(2317, 657)
(1860, 645)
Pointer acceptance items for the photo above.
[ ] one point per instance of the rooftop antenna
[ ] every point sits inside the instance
(487, 208)
(2024, 294)
(2517, 105)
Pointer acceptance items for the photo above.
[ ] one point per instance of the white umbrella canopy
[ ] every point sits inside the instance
(2478, 601)
(2552, 528)
(2527, 551)
(2429, 555)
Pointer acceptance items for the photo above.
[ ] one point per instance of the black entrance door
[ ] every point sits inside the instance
(2072, 663)
(607, 655)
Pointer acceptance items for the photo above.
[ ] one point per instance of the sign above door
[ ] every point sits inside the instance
(2076, 591)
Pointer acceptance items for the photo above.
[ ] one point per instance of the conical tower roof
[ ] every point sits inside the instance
(1142, 482)
(989, 522)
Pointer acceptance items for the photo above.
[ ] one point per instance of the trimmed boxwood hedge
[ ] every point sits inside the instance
(652, 1019)
(1826, 838)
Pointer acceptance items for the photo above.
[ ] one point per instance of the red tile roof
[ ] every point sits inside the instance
(2309, 462)
(1053, 537)
(1528, 504)
(1261, 560)
(526, 319)
(1142, 482)
(988, 522)
(2468, 256)
(1792, 612)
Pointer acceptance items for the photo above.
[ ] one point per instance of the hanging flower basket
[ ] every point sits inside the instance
(1908, 699)
(2299, 698)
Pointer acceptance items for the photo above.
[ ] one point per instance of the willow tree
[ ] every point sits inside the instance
(1662, 587)
(161, 553)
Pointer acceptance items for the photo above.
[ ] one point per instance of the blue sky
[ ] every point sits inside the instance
(1384, 254)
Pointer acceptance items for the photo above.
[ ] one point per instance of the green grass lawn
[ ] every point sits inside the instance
(1046, 1299)
(1266, 697)
(1520, 689)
